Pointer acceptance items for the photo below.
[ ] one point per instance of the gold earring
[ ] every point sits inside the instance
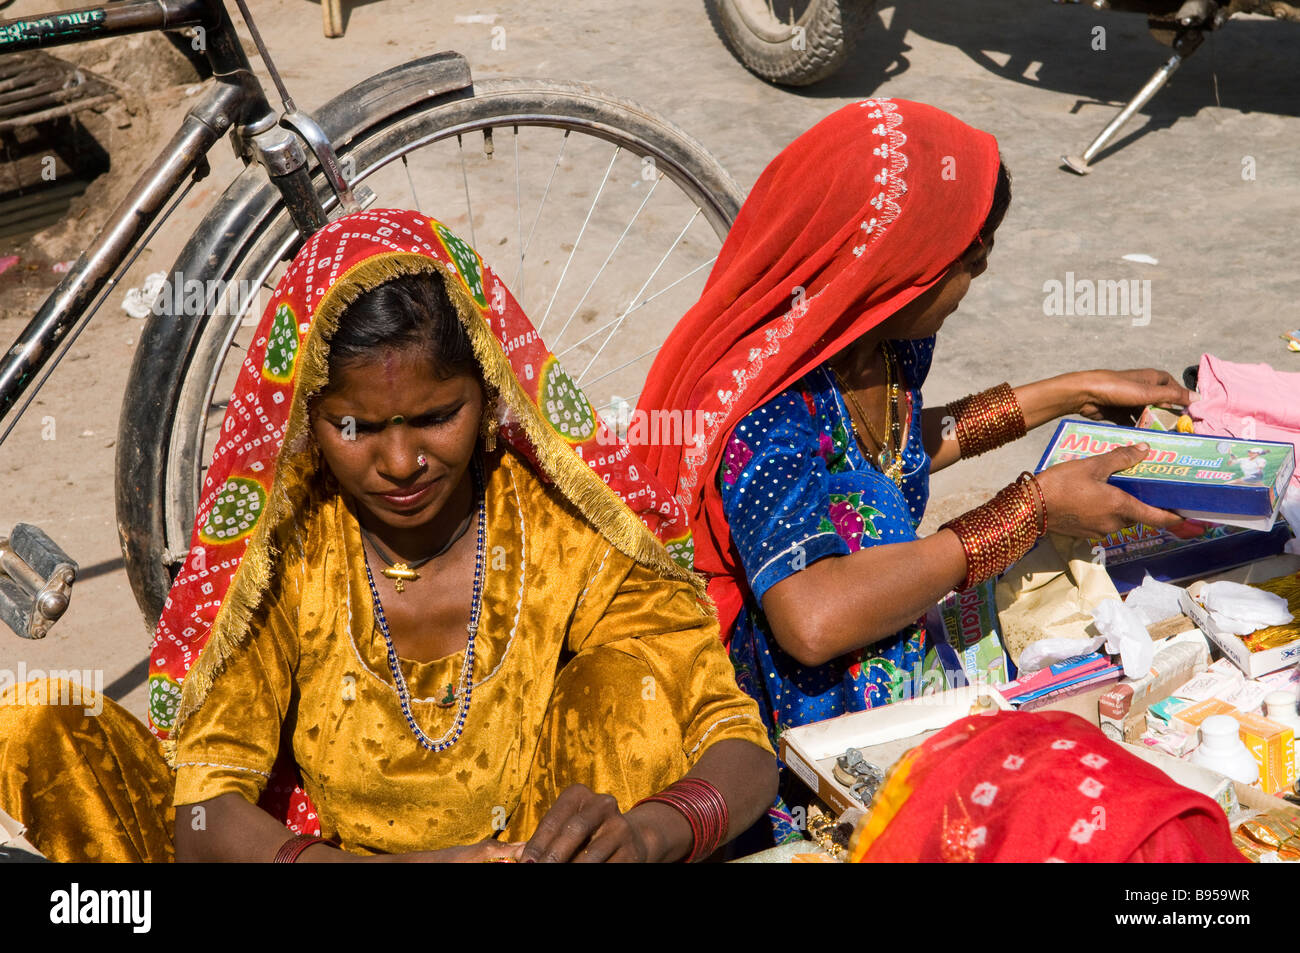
(490, 425)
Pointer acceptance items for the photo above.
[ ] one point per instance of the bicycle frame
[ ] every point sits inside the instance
(236, 103)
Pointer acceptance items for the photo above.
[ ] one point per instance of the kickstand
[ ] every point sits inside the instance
(1185, 44)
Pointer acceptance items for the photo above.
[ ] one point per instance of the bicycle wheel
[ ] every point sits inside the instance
(602, 218)
(792, 42)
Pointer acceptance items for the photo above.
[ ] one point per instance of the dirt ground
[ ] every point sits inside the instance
(1206, 184)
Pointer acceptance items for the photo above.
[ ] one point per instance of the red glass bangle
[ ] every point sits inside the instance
(292, 849)
(987, 420)
(703, 807)
(994, 536)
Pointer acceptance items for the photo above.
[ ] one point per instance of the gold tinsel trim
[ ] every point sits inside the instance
(291, 486)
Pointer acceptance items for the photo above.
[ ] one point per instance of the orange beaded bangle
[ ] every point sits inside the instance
(994, 536)
(987, 420)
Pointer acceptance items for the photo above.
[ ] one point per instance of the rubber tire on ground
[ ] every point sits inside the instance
(167, 389)
(831, 31)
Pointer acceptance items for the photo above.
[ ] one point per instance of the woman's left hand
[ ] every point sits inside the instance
(1119, 396)
(585, 827)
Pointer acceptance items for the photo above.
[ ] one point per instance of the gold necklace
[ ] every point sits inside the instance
(404, 571)
(890, 460)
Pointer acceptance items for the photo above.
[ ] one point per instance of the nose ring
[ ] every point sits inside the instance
(422, 460)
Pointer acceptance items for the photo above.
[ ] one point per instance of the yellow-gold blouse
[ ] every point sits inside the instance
(316, 673)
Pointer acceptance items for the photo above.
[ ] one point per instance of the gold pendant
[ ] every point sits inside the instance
(401, 574)
(892, 470)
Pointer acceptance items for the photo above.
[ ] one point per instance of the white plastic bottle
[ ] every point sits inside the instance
(1222, 750)
(1281, 707)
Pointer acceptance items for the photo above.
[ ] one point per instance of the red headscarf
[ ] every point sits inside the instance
(857, 217)
(1029, 787)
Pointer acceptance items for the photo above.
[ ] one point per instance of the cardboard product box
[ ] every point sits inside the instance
(1083, 703)
(1160, 714)
(1253, 664)
(1188, 551)
(885, 734)
(1122, 709)
(966, 623)
(1273, 747)
(1158, 418)
(1188, 721)
(1214, 479)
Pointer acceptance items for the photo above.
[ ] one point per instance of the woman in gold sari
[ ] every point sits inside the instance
(402, 633)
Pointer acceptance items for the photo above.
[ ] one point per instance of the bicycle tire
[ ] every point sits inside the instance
(163, 407)
(768, 48)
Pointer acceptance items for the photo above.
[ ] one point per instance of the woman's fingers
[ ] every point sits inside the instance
(612, 843)
(569, 825)
(1135, 511)
(1121, 458)
(552, 824)
(1161, 387)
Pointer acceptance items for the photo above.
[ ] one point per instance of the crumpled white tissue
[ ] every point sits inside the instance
(1126, 636)
(1155, 601)
(1045, 652)
(1241, 609)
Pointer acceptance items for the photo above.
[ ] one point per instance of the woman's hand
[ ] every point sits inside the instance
(1081, 503)
(1119, 396)
(585, 827)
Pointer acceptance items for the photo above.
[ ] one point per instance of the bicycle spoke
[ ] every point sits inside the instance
(614, 403)
(558, 156)
(415, 201)
(624, 366)
(601, 270)
(664, 290)
(578, 241)
(460, 147)
(624, 315)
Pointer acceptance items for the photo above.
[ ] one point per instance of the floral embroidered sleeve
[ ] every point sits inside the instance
(776, 493)
(795, 491)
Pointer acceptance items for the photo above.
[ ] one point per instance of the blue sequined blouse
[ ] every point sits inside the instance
(796, 488)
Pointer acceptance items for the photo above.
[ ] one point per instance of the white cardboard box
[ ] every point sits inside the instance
(1254, 664)
(888, 732)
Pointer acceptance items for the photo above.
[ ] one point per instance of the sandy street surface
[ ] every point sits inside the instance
(1178, 191)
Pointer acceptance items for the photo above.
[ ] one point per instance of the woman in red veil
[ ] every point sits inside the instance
(805, 357)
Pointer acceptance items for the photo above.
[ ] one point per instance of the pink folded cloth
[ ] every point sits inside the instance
(1249, 401)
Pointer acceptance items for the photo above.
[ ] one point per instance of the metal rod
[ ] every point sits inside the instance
(92, 310)
(95, 23)
(200, 130)
(289, 107)
(537, 218)
(469, 207)
(663, 290)
(621, 317)
(1158, 79)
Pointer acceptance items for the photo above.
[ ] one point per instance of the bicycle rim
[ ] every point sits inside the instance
(601, 218)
